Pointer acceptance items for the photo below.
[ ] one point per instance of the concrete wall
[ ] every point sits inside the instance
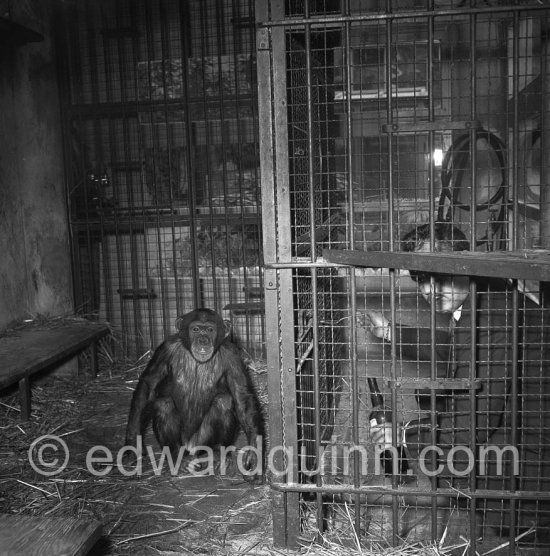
(35, 276)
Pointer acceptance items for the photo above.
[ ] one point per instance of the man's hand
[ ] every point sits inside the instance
(378, 325)
(381, 435)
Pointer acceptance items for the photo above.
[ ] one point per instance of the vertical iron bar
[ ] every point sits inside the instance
(473, 289)
(184, 15)
(221, 48)
(391, 231)
(100, 163)
(473, 408)
(206, 50)
(139, 146)
(433, 317)
(515, 132)
(155, 221)
(272, 286)
(514, 387)
(125, 158)
(544, 241)
(431, 195)
(283, 317)
(92, 133)
(514, 417)
(355, 389)
(67, 74)
(313, 256)
(237, 48)
(166, 56)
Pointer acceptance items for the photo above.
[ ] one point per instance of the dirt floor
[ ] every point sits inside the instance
(149, 512)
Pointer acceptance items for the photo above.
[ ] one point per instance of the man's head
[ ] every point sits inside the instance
(450, 291)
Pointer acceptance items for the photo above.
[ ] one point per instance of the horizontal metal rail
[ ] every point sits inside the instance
(324, 20)
(465, 493)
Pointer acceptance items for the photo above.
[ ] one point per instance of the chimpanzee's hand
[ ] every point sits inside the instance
(252, 466)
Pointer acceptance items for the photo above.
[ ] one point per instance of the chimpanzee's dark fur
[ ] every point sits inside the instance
(196, 390)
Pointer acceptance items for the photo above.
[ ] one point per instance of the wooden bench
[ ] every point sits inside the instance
(23, 535)
(31, 349)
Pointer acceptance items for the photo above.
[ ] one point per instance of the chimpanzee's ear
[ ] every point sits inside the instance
(228, 326)
(179, 323)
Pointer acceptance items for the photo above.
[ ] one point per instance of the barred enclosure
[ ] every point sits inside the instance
(406, 225)
(160, 112)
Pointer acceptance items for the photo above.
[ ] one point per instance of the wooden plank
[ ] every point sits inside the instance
(528, 264)
(22, 535)
(31, 349)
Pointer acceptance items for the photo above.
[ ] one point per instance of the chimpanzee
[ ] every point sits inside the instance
(196, 390)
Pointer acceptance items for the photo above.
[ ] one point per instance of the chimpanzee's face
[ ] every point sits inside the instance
(202, 336)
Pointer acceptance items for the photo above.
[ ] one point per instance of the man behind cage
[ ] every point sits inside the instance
(493, 338)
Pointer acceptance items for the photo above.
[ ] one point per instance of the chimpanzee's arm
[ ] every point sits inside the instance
(241, 389)
(155, 371)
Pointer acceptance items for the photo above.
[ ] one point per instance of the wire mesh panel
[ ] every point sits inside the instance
(310, 145)
(162, 146)
(407, 218)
